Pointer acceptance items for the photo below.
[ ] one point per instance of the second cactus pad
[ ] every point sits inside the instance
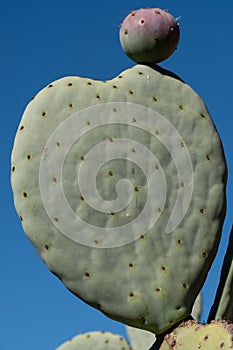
(195, 336)
(97, 341)
(120, 186)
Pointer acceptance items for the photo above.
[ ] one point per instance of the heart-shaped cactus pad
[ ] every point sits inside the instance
(120, 186)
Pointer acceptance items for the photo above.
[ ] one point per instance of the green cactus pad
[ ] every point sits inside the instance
(197, 308)
(140, 339)
(222, 308)
(97, 341)
(149, 279)
(225, 309)
(195, 336)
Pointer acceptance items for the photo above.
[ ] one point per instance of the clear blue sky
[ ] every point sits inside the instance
(43, 41)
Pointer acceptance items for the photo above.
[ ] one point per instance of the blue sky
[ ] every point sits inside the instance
(43, 41)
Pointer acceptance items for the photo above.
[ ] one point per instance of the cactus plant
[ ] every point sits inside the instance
(124, 249)
(178, 257)
(149, 35)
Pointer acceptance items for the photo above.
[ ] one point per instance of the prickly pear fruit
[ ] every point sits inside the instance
(149, 35)
(195, 336)
(154, 131)
(97, 341)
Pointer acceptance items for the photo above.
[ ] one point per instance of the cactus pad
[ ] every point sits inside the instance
(197, 308)
(195, 336)
(140, 339)
(97, 341)
(159, 136)
(222, 308)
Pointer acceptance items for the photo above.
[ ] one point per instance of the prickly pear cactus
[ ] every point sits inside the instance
(120, 186)
(195, 336)
(113, 279)
(97, 341)
(149, 35)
